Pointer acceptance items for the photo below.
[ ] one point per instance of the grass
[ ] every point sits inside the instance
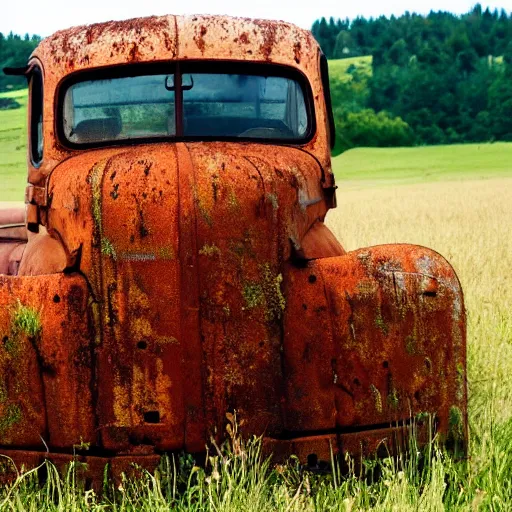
(338, 68)
(454, 199)
(26, 321)
(370, 167)
(13, 146)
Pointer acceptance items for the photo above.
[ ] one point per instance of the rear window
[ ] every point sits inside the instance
(219, 102)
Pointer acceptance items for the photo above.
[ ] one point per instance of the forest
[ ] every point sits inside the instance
(404, 81)
(434, 79)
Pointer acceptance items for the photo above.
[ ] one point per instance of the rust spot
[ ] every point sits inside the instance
(297, 52)
(199, 38)
(88, 35)
(134, 52)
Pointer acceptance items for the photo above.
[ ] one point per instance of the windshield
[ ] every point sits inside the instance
(190, 105)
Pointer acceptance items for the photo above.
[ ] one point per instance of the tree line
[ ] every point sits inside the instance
(435, 79)
(15, 51)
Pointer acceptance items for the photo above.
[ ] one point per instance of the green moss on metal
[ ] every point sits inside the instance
(25, 320)
(271, 285)
(410, 344)
(95, 180)
(166, 253)
(3, 393)
(209, 250)
(267, 292)
(107, 248)
(253, 295)
(377, 398)
(203, 210)
(379, 322)
(205, 214)
(11, 416)
(233, 201)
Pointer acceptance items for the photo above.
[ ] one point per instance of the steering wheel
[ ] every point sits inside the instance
(261, 131)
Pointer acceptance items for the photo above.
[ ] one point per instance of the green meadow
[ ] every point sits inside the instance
(340, 69)
(367, 167)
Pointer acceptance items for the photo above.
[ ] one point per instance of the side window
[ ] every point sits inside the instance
(36, 116)
(324, 71)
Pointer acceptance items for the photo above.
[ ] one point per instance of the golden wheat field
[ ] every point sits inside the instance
(469, 223)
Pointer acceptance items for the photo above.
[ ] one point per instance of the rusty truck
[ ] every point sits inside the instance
(172, 264)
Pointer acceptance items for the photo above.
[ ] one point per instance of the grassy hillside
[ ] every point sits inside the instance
(340, 68)
(367, 167)
(13, 144)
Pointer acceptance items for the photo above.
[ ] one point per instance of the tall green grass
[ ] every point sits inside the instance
(236, 477)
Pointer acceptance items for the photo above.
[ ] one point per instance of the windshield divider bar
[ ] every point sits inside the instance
(178, 101)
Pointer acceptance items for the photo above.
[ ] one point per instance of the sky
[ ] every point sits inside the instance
(43, 17)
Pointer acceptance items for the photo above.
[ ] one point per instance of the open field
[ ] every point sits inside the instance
(372, 167)
(455, 199)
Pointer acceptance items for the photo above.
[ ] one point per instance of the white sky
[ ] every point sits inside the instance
(44, 17)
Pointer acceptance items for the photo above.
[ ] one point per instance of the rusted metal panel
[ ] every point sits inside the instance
(395, 346)
(46, 359)
(90, 470)
(227, 232)
(318, 451)
(142, 371)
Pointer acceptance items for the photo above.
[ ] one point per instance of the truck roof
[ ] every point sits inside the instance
(164, 38)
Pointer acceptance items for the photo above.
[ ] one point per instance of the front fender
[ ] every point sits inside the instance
(375, 337)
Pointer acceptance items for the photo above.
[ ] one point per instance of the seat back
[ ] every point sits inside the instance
(13, 239)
